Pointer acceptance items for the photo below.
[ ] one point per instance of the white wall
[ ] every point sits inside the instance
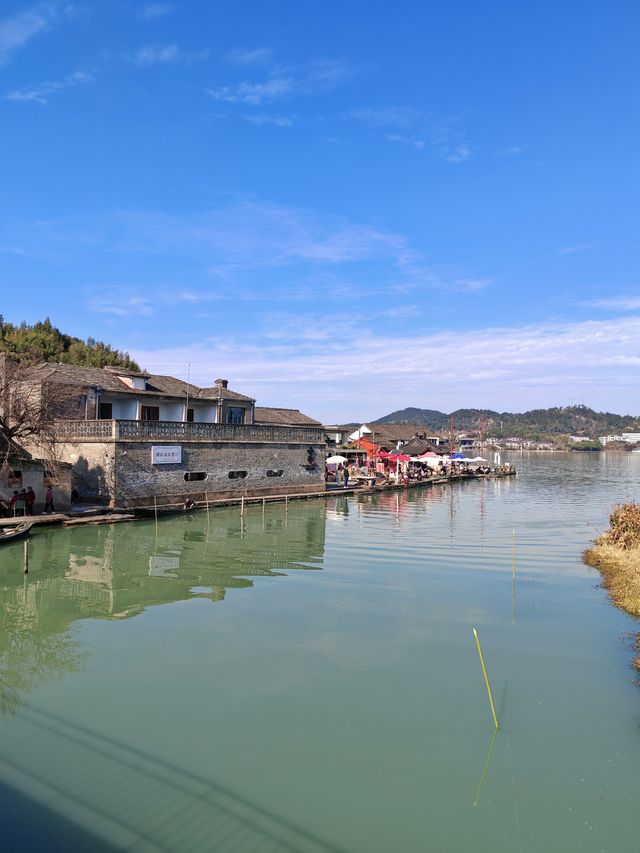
(203, 414)
(124, 409)
(171, 411)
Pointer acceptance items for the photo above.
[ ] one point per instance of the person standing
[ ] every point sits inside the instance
(30, 499)
(48, 500)
(346, 475)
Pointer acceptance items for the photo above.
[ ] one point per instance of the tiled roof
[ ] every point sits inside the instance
(283, 417)
(107, 379)
(388, 435)
(217, 392)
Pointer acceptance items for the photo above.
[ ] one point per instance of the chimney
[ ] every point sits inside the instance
(221, 383)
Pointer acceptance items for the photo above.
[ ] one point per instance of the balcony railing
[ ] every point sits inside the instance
(178, 431)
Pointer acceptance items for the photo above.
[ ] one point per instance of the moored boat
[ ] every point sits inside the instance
(20, 531)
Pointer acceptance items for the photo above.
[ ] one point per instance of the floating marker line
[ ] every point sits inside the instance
(486, 679)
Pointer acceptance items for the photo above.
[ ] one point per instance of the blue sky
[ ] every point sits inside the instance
(343, 207)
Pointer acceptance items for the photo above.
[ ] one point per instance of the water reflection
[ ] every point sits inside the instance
(117, 571)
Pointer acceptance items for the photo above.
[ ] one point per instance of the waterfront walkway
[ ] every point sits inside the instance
(87, 514)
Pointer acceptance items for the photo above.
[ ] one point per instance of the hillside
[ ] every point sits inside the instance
(44, 342)
(537, 423)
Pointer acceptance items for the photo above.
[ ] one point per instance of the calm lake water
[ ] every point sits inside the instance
(309, 680)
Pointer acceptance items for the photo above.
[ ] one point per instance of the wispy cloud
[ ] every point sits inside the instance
(320, 75)
(511, 151)
(391, 116)
(616, 303)
(410, 126)
(255, 93)
(262, 118)
(17, 30)
(407, 140)
(256, 56)
(155, 10)
(577, 247)
(460, 154)
(121, 305)
(232, 247)
(155, 54)
(43, 91)
(505, 368)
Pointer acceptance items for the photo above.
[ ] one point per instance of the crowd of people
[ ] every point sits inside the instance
(405, 474)
(22, 502)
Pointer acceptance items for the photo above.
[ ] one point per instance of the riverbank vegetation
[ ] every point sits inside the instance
(616, 555)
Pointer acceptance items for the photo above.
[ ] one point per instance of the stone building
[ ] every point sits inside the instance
(134, 436)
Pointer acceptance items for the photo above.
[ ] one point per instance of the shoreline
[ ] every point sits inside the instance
(103, 515)
(615, 554)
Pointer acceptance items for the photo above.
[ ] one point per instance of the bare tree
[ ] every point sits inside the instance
(28, 409)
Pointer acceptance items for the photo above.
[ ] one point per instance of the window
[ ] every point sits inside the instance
(237, 475)
(275, 472)
(189, 416)
(106, 411)
(235, 415)
(150, 413)
(195, 475)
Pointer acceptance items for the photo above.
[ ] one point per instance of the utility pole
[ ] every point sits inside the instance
(451, 436)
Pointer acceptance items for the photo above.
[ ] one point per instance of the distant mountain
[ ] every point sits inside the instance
(537, 423)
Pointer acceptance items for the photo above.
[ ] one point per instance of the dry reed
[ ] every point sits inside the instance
(616, 555)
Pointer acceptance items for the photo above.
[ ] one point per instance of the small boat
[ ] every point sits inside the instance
(11, 534)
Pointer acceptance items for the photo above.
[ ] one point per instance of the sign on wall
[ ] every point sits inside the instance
(166, 455)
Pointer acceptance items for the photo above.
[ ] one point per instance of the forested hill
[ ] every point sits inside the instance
(44, 342)
(568, 420)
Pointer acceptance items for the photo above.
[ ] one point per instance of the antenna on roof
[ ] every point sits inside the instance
(186, 410)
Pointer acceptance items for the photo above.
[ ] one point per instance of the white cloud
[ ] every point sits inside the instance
(415, 143)
(391, 116)
(120, 305)
(410, 126)
(329, 73)
(257, 56)
(318, 76)
(506, 368)
(460, 154)
(255, 93)
(578, 247)
(18, 30)
(155, 10)
(169, 54)
(279, 121)
(43, 91)
(255, 234)
(153, 54)
(617, 303)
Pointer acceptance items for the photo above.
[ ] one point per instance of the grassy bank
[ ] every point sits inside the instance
(616, 555)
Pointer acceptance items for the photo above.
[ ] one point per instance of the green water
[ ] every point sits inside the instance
(308, 680)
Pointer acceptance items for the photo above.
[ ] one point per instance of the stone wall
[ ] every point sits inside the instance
(137, 480)
(93, 467)
(121, 472)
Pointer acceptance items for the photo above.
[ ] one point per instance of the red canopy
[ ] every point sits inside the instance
(398, 457)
